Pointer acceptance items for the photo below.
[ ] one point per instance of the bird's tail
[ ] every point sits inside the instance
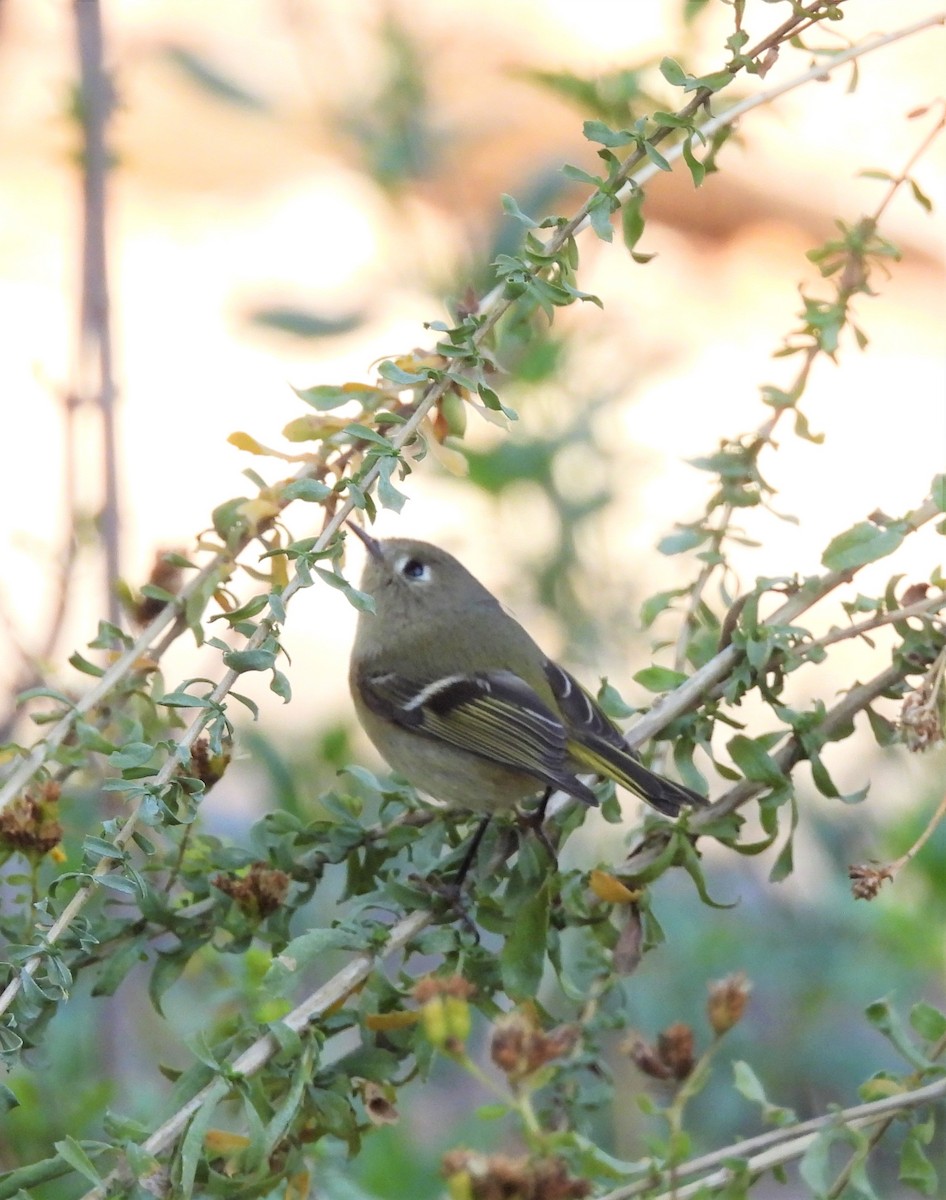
(622, 765)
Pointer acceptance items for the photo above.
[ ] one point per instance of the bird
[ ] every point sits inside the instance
(460, 700)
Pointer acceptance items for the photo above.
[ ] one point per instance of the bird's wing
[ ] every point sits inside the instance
(596, 743)
(493, 714)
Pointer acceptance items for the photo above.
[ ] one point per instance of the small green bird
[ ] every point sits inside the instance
(458, 698)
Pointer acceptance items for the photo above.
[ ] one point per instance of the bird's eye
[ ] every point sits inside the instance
(413, 568)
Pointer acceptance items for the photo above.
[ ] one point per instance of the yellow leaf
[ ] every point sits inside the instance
(298, 1186)
(311, 428)
(610, 889)
(243, 441)
(343, 1000)
(258, 511)
(222, 1141)
(391, 1020)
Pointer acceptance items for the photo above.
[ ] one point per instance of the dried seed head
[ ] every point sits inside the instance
(378, 1101)
(259, 892)
(443, 985)
(475, 1176)
(922, 717)
(675, 1047)
(520, 1047)
(206, 766)
(866, 881)
(164, 575)
(727, 1002)
(646, 1058)
(30, 825)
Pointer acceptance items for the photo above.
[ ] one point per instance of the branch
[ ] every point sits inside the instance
(405, 433)
(263, 1049)
(95, 367)
(688, 695)
(783, 1145)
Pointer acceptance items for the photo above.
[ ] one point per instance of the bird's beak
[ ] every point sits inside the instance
(372, 545)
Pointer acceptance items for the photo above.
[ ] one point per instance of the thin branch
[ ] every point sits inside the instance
(701, 682)
(256, 1056)
(404, 434)
(96, 381)
(262, 1050)
(923, 608)
(495, 304)
(783, 1145)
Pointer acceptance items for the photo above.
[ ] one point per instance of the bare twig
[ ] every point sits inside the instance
(783, 1145)
(95, 367)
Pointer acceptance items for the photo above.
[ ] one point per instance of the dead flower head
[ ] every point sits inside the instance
(30, 824)
(519, 1046)
(671, 1058)
(259, 892)
(866, 881)
(727, 1002)
(476, 1176)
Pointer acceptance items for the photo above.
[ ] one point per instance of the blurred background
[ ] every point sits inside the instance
(298, 185)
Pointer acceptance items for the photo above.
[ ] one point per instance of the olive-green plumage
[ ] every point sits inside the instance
(460, 700)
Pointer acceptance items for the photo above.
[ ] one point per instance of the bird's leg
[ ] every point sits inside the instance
(451, 892)
(536, 822)
(470, 855)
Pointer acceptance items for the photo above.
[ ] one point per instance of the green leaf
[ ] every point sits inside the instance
(938, 492)
(656, 157)
(390, 370)
(206, 75)
(884, 1017)
(755, 762)
(654, 605)
(82, 664)
(134, 754)
(168, 968)
(673, 72)
(659, 679)
(280, 685)
(597, 131)
(117, 965)
(366, 434)
(388, 494)
(360, 600)
(522, 958)
(695, 167)
(863, 543)
(183, 700)
(326, 397)
(72, 1153)
(928, 1021)
(916, 1170)
(714, 82)
(632, 219)
(301, 952)
(688, 538)
(513, 210)
(306, 489)
(920, 196)
(303, 322)
(249, 660)
(192, 1147)
(599, 214)
(748, 1084)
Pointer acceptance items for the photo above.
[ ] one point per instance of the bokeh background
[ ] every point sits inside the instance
(298, 186)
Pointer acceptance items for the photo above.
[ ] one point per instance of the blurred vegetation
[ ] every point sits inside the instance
(207, 924)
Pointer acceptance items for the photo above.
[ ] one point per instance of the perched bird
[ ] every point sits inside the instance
(459, 699)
